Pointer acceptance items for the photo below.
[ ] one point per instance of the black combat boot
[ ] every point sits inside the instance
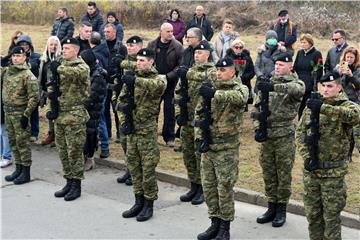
(147, 211)
(124, 177)
(24, 176)
(212, 231)
(136, 209)
(129, 182)
(15, 174)
(280, 217)
(224, 230)
(187, 197)
(199, 196)
(269, 215)
(65, 189)
(75, 190)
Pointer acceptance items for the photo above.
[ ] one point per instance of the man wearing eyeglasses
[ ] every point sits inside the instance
(334, 53)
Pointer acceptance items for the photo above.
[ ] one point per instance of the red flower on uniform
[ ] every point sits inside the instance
(319, 61)
(240, 61)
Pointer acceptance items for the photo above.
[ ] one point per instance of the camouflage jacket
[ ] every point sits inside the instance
(20, 89)
(149, 87)
(195, 76)
(284, 103)
(74, 88)
(129, 63)
(227, 108)
(337, 116)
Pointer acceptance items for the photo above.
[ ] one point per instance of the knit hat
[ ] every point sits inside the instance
(111, 13)
(271, 34)
(89, 57)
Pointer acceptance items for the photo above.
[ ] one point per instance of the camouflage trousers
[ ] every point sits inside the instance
(143, 155)
(324, 200)
(277, 160)
(70, 140)
(191, 155)
(19, 139)
(219, 173)
(356, 132)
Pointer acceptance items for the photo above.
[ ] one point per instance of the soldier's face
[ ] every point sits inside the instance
(85, 32)
(330, 89)
(225, 73)
(133, 48)
(201, 56)
(18, 59)
(70, 51)
(282, 68)
(143, 63)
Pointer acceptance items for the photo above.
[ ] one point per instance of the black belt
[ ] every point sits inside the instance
(330, 164)
(14, 108)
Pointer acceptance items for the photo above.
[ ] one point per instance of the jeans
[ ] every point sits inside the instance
(34, 121)
(5, 146)
(103, 133)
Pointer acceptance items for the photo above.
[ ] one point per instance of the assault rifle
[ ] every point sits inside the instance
(54, 96)
(184, 98)
(129, 106)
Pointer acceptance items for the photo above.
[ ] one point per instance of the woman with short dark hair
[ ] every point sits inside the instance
(178, 24)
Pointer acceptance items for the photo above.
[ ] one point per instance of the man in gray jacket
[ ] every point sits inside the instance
(334, 53)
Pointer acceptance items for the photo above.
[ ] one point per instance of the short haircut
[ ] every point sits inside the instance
(64, 9)
(85, 23)
(175, 10)
(92, 4)
(228, 21)
(110, 25)
(307, 37)
(95, 38)
(197, 32)
(341, 32)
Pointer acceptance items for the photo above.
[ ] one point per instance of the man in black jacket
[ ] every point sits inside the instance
(63, 26)
(168, 53)
(201, 21)
(334, 53)
(93, 16)
(84, 36)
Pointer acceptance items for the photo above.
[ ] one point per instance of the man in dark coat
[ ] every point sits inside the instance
(93, 16)
(168, 53)
(63, 26)
(334, 53)
(201, 21)
(111, 18)
(84, 35)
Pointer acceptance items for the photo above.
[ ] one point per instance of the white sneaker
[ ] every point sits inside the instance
(5, 162)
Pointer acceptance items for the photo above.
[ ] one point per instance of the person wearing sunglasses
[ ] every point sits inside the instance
(334, 53)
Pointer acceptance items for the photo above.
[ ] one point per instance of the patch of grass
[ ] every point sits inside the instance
(250, 173)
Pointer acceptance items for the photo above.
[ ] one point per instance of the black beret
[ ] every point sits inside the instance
(330, 76)
(134, 39)
(283, 13)
(146, 52)
(225, 62)
(71, 41)
(17, 50)
(203, 45)
(283, 57)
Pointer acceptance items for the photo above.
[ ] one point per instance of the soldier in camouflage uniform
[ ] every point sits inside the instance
(219, 166)
(277, 153)
(70, 125)
(325, 188)
(133, 45)
(142, 150)
(195, 76)
(20, 91)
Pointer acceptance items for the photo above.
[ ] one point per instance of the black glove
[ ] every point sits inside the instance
(129, 78)
(310, 164)
(314, 104)
(206, 91)
(182, 71)
(265, 86)
(24, 122)
(180, 120)
(88, 104)
(54, 65)
(116, 61)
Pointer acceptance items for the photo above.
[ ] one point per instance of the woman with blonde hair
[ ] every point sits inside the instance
(52, 52)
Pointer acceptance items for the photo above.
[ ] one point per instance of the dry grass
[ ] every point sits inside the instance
(250, 176)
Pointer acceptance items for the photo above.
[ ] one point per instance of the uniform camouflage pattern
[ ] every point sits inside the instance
(192, 158)
(278, 152)
(325, 189)
(219, 166)
(20, 96)
(70, 126)
(143, 152)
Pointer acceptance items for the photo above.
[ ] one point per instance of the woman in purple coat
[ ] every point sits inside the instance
(178, 24)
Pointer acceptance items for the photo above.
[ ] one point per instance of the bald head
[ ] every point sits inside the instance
(199, 11)
(166, 32)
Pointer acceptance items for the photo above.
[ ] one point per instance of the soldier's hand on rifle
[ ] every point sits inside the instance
(88, 103)
(207, 91)
(54, 65)
(24, 122)
(180, 120)
(116, 61)
(129, 78)
(182, 71)
(314, 104)
(265, 86)
(117, 87)
(310, 164)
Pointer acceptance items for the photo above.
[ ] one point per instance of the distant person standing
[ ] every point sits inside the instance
(225, 38)
(201, 21)
(84, 36)
(334, 53)
(93, 16)
(64, 25)
(178, 24)
(111, 18)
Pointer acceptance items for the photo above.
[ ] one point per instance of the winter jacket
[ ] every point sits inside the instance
(303, 66)
(119, 30)
(33, 57)
(63, 28)
(188, 57)
(102, 54)
(219, 43)
(84, 44)
(96, 20)
(204, 24)
(286, 32)
(179, 28)
(351, 85)
(119, 50)
(265, 65)
(333, 57)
